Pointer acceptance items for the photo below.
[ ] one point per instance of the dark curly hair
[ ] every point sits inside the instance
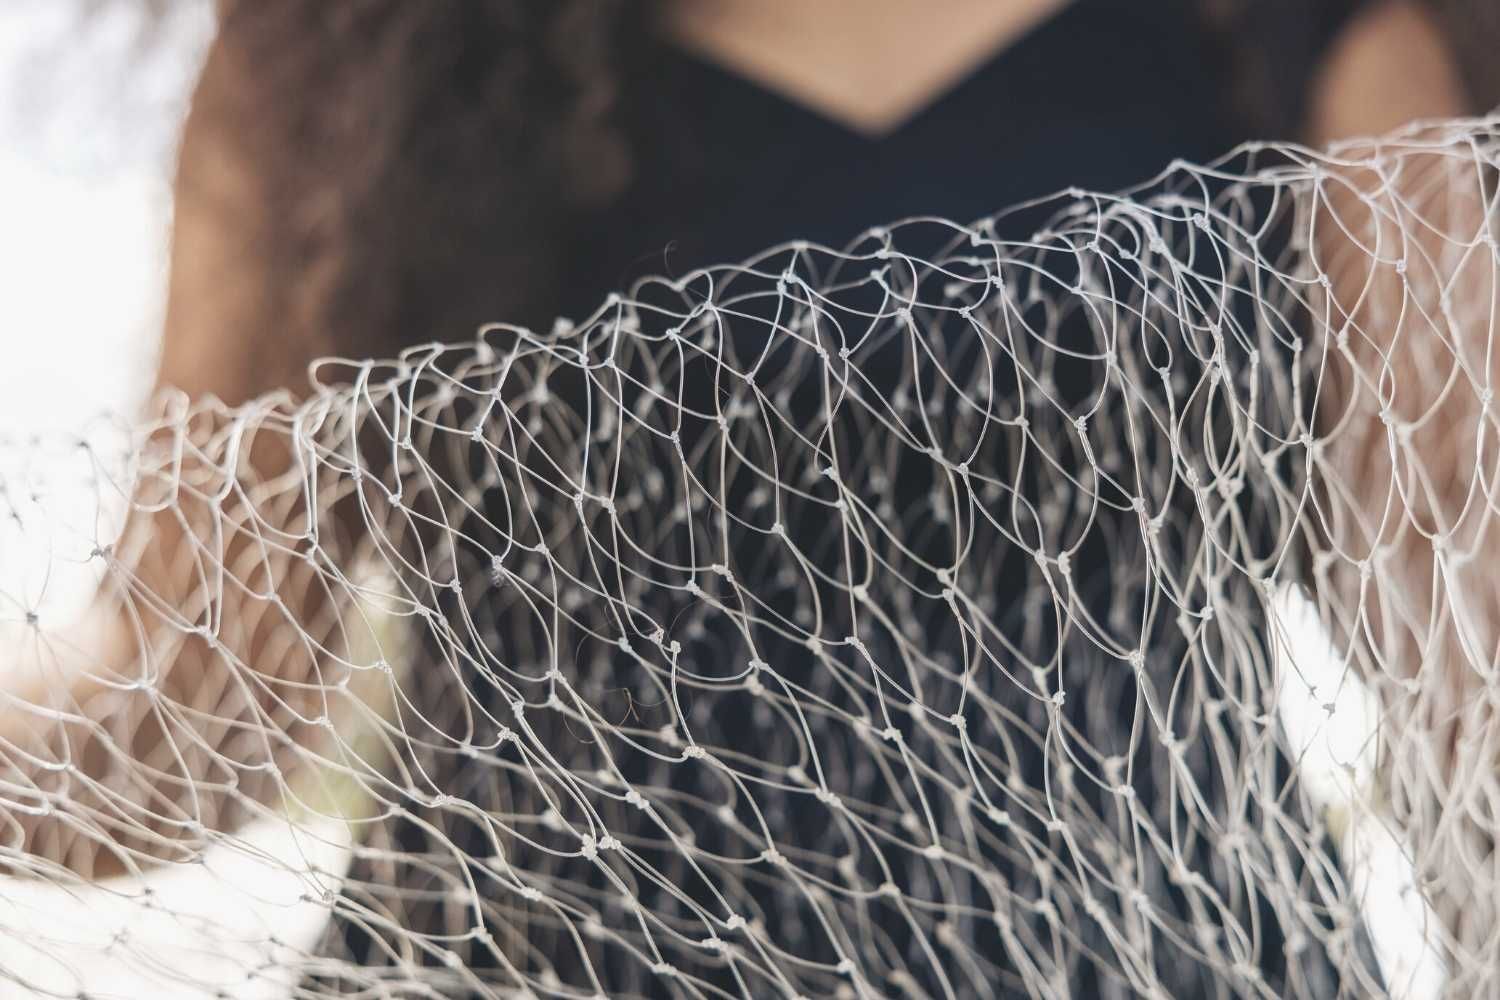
(371, 173)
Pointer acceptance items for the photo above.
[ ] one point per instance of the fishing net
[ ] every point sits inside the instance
(1093, 600)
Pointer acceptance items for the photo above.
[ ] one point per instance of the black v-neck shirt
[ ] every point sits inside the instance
(1101, 94)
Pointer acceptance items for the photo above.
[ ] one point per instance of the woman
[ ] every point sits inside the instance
(359, 178)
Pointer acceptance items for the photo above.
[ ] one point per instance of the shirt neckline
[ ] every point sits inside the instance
(780, 101)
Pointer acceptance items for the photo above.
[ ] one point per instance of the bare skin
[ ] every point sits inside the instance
(1389, 67)
(1409, 498)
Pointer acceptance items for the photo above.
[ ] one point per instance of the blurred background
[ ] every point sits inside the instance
(92, 94)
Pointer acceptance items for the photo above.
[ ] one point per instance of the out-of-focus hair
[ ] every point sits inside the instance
(415, 169)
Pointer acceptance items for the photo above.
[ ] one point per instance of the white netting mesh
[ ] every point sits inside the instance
(924, 617)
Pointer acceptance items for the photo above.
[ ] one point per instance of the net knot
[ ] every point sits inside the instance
(828, 798)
